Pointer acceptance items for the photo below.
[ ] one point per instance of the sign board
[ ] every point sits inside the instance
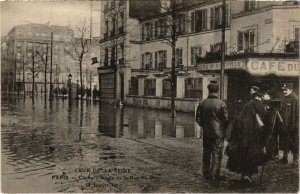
(257, 66)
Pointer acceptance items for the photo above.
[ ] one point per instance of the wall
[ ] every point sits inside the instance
(183, 105)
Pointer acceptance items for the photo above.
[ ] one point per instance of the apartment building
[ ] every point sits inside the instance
(252, 27)
(27, 40)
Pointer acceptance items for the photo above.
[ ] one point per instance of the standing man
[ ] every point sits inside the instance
(212, 116)
(289, 135)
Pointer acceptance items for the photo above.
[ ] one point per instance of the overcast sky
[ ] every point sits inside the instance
(56, 12)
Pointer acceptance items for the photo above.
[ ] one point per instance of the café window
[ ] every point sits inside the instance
(246, 41)
(179, 59)
(161, 59)
(149, 87)
(147, 61)
(193, 88)
(167, 88)
(133, 86)
(195, 51)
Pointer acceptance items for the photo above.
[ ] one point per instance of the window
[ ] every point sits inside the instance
(296, 33)
(149, 87)
(18, 56)
(200, 20)
(106, 29)
(246, 41)
(218, 17)
(19, 45)
(156, 29)
(217, 47)
(147, 61)
(162, 28)
(133, 86)
(250, 5)
(121, 59)
(167, 88)
(147, 31)
(121, 23)
(193, 88)
(180, 24)
(195, 51)
(106, 57)
(113, 30)
(161, 59)
(112, 56)
(179, 60)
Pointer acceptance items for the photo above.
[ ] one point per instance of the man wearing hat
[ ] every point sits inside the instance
(289, 135)
(212, 116)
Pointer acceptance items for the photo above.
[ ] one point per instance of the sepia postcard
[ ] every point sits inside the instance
(150, 96)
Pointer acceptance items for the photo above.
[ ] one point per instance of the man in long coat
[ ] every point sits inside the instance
(289, 135)
(213, 117)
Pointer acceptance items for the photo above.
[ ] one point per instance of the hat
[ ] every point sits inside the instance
(255, 88)
(287, 86)
(213, 87)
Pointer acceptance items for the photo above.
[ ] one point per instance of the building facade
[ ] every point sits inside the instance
(32, 42)
(144, 76)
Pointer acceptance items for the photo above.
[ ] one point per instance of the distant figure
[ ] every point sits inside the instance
(213, 117)
(95, 93)
(64, 90)
(289, 134)
(88, 93)
(246, 149)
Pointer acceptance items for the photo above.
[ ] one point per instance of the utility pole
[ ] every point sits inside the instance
(223, 48)
(46, 73)
(32, 91)
(173, 78)
(23, 66)
(51, 60)
(15, 74)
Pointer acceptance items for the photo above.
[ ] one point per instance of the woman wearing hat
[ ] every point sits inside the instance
(246, 144)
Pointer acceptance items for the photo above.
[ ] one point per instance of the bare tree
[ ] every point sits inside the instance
(80, 47)
(174, 23)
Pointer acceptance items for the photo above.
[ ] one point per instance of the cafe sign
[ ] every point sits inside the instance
(257, 66)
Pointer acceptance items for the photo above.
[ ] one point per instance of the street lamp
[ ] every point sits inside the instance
(69, 85)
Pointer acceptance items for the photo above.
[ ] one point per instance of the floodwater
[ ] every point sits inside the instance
(42, 143)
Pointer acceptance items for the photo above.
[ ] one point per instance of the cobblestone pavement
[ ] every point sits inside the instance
(66, 149)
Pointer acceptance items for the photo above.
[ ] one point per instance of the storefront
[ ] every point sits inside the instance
(268, 71)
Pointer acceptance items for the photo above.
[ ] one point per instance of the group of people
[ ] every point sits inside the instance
(252, 137)
(88, 93)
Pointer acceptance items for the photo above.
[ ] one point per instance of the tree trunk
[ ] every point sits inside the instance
(80, 66)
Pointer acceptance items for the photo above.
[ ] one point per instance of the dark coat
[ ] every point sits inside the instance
(290, 116)
(212, 115)
(247, 140)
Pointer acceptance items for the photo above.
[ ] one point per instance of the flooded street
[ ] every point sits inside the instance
(71, 146)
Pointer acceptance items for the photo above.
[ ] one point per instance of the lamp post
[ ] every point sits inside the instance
(69, 85)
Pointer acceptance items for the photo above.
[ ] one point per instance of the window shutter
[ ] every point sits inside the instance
(204, 19)
(165, 58)
(155, 60)
(212, 17)
(192, 55)
(143, 34)
(151, 30)
(198, 20)
(143, 61)
(251, 42)
(193, 22)
(151, 61)
(240, 41)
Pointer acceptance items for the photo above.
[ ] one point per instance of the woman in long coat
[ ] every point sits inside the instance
(247, 140)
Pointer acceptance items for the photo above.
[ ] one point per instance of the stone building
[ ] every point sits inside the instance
(142, 76)
(27, 40)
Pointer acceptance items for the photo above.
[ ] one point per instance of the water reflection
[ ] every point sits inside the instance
(131, 122)
(45, 138)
